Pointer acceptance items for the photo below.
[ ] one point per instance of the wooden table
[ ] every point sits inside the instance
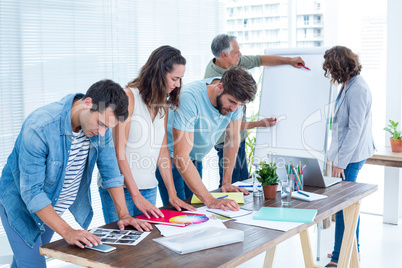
(392, 183)
(385, 157)
(344, 195)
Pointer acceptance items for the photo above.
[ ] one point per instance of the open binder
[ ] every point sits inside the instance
(201, 239)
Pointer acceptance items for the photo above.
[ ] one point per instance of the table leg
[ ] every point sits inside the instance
(307, 251)
(350, 216)
(355, 261)
(269, 257)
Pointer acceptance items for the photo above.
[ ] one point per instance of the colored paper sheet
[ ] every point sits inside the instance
(285, 214)
(237, 196)
(175, 218)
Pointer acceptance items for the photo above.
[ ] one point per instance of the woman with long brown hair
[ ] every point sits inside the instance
(141, 141)
(352, 140)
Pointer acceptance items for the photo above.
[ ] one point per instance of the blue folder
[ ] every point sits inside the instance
(285, 214)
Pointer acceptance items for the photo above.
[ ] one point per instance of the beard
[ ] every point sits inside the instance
(219, 105)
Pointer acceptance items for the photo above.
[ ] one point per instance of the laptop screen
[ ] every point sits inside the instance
(312, 175)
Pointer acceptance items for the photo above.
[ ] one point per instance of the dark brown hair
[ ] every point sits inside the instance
(151, 82)
(341, 63)
(107, 93)
(238, 83)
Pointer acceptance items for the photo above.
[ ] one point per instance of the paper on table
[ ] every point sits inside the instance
(204, 210)
(237, 196)
(230, 213)
(167, 230)
(277, 225)
(201, 239)
(311, 197)
(175, 218)
(249, 186)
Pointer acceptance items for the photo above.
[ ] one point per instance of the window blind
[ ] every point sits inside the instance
(52, 48)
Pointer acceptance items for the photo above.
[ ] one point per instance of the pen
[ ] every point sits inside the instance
(223, 196)
(304, 66)
(300, 192)
(247, 185)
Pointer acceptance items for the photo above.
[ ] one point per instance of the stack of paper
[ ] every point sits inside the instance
(201, 239)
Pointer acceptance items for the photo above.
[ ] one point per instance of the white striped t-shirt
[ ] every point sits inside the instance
(75, 167)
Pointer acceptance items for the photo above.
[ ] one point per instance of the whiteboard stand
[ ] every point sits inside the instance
(301, 100)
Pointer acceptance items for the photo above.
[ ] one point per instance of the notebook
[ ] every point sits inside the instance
(175, 218)
(312, 173)
(285, 214)
(237, 196)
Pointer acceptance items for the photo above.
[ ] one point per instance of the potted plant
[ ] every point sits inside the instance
(266, 174)
(396, 139)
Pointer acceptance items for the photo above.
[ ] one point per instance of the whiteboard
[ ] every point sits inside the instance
(301, 101)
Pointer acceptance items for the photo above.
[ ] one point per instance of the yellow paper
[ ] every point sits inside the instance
(237, 196)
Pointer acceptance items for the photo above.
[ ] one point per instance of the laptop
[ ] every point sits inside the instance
(312, 173)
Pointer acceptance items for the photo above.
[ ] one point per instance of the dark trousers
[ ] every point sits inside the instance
(240, 170)
(351, 172)
(183, 192)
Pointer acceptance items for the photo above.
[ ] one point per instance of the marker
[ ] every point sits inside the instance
(304, 66)
(221, 197)
(300, 192)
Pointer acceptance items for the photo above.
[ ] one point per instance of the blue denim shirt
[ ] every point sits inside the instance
(33, 176)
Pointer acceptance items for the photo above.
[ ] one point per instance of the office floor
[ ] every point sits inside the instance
(379, 245)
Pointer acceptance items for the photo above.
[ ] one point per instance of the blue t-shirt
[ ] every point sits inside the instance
(197, 115)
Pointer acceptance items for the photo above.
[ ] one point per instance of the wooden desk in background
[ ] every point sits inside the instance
(392, 184)
(343, 195)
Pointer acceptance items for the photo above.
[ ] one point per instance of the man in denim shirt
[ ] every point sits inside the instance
(37, 171)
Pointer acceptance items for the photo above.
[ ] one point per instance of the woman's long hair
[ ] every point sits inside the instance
(341, 63)
(151, 82)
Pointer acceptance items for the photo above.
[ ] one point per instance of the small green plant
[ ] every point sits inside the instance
(267, 173)
(250, 146)
(392, 129)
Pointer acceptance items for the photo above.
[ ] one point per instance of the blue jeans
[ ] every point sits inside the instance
(240, 169)
(351, 172)
(182, 190)
(109, 210)
(24, 256)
